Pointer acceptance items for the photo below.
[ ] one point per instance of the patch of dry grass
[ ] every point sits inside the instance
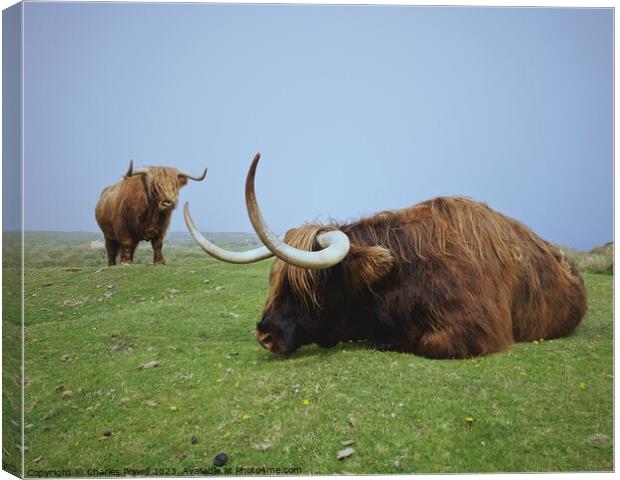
(597, 260)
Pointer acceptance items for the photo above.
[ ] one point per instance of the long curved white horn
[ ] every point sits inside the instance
(194, 177)
(249, 256)
(335, 243)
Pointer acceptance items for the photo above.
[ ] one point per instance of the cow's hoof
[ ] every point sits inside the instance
(125, 263)
(160, 264)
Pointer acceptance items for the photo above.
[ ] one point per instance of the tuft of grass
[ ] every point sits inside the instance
(543, 406)
(597, 260)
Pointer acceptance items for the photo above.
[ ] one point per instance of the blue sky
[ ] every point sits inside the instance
(354, 109)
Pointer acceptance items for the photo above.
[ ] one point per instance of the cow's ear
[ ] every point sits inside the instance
(364, 266)
(182, 181)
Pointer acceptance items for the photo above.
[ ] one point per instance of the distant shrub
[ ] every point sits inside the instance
(597, 260)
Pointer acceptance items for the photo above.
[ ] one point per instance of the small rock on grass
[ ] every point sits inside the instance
(71, 303)
(151, 364)
(220, 459)
(194, 439)
(347, 452)
(597, 439)
(348, 442)
(261, 447)
(151, 403)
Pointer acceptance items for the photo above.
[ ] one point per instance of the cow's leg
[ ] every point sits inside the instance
(466, 339)
(442, 344)
(111, 248)
(158, 257)
(127, 250)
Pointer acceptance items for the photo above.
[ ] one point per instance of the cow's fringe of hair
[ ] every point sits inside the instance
(162, 182)
(303, 281)
(457, 227)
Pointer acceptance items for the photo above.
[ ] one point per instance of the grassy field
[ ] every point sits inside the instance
(542, 406)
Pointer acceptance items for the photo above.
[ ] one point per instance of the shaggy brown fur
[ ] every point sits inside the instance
(448, 278)
(138, 208)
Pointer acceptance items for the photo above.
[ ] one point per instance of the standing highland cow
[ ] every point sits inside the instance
(447, 278)
(139, 208)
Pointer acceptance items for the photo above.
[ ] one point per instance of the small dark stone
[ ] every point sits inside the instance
(194, 440)
(220, 459)
(107, 433)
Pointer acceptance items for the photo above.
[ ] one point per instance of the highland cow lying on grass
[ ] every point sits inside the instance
(138, 208)
(447, 278)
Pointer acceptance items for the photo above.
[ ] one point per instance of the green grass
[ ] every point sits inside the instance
(543, 406)
(11, 354)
